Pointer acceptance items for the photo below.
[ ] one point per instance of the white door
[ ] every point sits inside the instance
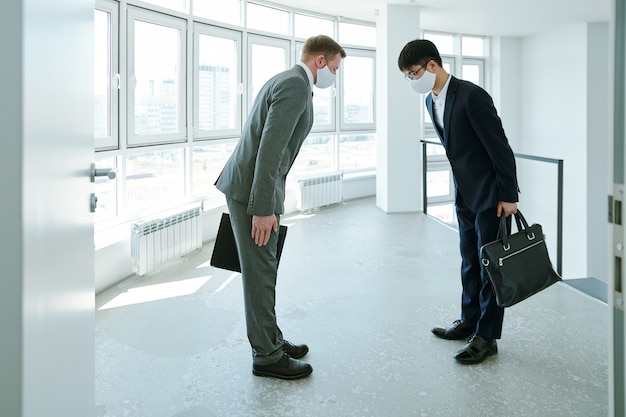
(617, 324)
(47, 253)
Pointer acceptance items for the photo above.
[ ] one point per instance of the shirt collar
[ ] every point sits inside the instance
(308, 73)
(441, 97)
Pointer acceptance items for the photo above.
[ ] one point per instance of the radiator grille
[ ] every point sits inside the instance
(319, 191)
(158, 241)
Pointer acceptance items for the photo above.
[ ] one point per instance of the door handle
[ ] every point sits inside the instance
(101, 172)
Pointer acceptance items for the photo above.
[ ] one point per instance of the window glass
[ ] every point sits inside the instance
(444, 43)
(307, 26)
(471, 72)
(358, 89)
(218, 83)
(357, 151)
(267, 19)
(316, 156)
(355, 34)
(154, 178)
(473, 46)
(438, 183)
(267, 61)
(227, 11)
(435, 150)
(208, 162)
(444, 212)
(157, 65)
(178, 5)
(323, 100)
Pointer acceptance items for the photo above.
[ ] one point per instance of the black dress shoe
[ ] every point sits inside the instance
(284, 368)
(295, 351)
(458, 331)
(476, 350)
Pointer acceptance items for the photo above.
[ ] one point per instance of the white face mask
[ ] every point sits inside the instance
(425, 83)
(325, 78)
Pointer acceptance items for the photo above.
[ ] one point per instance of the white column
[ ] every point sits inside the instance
(399, 114)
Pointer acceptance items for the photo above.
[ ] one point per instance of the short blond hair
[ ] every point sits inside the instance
(321, 44)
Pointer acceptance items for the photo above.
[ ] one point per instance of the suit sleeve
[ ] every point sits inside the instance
(485, 121)
(288, 103)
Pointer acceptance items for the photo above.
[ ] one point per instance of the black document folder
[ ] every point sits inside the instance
(225, 249)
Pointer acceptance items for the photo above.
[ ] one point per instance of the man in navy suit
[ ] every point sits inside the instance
(484, 172)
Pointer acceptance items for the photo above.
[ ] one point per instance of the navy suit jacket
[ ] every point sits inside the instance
(482, 161)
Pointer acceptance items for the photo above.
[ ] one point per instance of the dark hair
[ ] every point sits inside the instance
(322, 44)
(418, 52)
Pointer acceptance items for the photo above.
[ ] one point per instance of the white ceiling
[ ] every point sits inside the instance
(476, 17)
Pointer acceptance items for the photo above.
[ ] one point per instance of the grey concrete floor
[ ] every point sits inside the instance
(362, 288)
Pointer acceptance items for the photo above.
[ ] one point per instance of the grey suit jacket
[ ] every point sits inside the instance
(280, 120)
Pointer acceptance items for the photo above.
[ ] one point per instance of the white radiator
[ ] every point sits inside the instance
(319, 191)
(156, 242)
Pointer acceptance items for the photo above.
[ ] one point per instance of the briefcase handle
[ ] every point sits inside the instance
(522, 225)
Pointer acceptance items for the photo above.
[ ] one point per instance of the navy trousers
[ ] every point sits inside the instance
(478, 302)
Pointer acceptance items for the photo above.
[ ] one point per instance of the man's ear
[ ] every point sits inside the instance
(320, 61)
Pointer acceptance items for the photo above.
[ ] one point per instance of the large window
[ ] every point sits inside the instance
(174, 81)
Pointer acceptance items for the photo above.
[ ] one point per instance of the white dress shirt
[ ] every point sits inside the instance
(439, 104)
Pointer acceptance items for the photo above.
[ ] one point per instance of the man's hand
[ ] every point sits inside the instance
(506, 208)
(262, 227)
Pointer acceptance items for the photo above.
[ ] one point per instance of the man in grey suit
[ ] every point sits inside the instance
(253, 181)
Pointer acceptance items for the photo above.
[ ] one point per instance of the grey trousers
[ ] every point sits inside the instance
(258, 274)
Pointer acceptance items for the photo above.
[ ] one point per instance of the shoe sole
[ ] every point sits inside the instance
(473, 361)
(281, 376)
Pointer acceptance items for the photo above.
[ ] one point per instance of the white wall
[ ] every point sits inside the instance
(560, 101)
(599, 148)
(505, 85)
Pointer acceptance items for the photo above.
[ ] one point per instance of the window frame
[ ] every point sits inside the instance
(351, 127)
(480, 62)
(255, 39)
(236, 36)
(156, 18)
(113, 140)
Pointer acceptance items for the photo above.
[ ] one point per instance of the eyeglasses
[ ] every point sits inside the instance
(412, 75)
